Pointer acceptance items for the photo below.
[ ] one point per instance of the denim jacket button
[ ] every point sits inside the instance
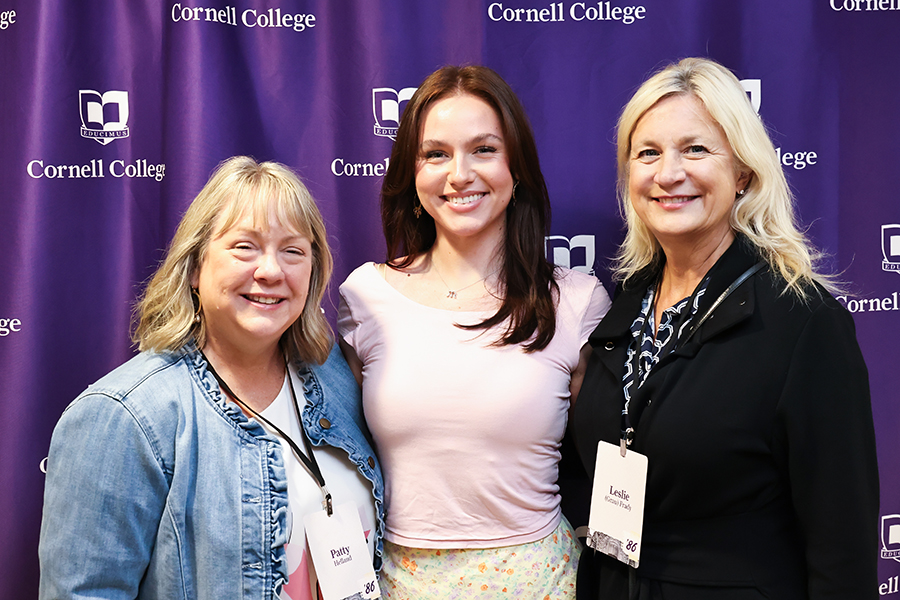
(371, 462)
(325, 423)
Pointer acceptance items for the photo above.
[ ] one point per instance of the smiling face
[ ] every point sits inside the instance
(683, 177)
(462, 172)
(253, 282)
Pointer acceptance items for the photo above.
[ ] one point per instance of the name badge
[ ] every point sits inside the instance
(340, 555)
(617, 504)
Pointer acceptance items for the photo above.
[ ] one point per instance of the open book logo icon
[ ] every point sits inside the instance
(576, 253)
(890, 247)
(104, 117)
(388, 105)
(890, 537)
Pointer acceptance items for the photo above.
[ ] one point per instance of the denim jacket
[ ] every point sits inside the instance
(158, 487)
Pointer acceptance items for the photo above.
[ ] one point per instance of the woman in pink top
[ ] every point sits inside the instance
(470, 348)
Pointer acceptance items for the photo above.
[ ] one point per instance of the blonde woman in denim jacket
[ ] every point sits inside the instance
(162, 481)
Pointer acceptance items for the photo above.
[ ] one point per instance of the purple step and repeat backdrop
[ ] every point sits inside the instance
(113, 113)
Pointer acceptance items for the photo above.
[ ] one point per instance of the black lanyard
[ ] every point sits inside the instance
(309, 459)
(628, 431)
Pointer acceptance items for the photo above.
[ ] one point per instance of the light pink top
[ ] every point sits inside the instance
(468, 434)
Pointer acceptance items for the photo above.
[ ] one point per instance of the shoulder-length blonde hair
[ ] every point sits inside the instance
(764, 214)
(165, 312)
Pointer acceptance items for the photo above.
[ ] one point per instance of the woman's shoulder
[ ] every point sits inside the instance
(146, 394)
(360, 284)
(145, 370)
(570, 279)
(334, 376)
(795, 315)
(360, 274)
(155, 388)
(581, 288)
(331, 388)
(814, 297)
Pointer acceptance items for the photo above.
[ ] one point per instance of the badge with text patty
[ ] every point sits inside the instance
(340, 555)
(617, 504)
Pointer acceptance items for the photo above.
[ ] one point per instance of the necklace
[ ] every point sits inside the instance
(452, 293)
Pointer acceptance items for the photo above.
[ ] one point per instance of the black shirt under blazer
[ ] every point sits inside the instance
(762, 479)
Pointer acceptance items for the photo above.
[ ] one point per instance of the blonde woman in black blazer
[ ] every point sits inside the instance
(749, 394)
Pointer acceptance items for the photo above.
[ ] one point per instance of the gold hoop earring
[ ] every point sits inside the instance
(515, 185)
(199, 308)
(417, 206)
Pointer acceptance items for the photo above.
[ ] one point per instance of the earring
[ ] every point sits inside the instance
(515, 185)
(741, 193)
(199, 308)
(417, 207)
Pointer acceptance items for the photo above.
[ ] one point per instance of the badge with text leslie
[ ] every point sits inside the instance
(340, 555)
(617, 504)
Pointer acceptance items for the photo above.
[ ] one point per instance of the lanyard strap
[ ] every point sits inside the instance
(628, 432)
(734, 285)
(308, 460)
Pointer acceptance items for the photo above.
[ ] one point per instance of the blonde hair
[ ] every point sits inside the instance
(764, 214)
(165, 312)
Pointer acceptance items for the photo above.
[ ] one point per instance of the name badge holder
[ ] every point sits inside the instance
(338, 550)
(617, 503)
(335, 536)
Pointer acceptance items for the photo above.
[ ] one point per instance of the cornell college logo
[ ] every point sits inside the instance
(104, 117)
(890, 537)
(576, 253)
(386, 104)
(890, 247)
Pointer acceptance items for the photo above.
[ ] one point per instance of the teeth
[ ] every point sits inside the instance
(674, 200)
(262, 300)
(464, 200)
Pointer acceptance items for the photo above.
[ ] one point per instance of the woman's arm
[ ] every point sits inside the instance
(598, 306)
(352, 360)
(578, 374)
(828, 442)
(104, 496)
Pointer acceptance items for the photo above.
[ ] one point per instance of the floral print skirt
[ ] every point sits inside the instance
(541, 570)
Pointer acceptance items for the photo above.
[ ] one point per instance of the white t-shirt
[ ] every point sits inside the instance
(304, 495)
(468, 434)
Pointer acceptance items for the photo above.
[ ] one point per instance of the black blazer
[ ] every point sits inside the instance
(762, 479)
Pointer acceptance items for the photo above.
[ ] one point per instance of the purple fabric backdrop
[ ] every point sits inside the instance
(93, 183)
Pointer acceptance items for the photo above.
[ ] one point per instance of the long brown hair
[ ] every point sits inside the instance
(529, 289)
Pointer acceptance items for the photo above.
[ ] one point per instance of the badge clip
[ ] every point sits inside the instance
(625, 442)
(326, 503)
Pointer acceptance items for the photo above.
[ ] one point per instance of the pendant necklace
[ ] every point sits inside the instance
(452, 293)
